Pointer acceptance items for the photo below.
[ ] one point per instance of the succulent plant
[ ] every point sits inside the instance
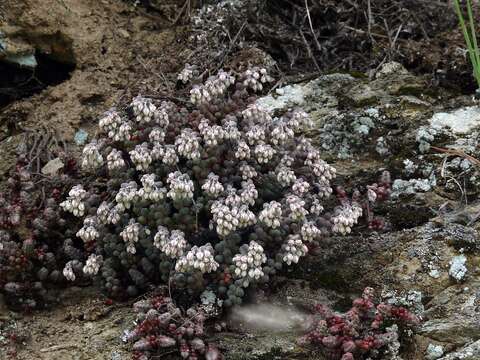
(218, 197)
(367, 330)
(162, 327)
(33, 249)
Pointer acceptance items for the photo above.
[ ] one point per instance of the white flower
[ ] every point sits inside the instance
(212, 186)
(249, 193)
(215, 86)
(254, 78)
(293, 249)
(345, 217)
(157, 135)
(91, 157)
(181, 187)
(172, 244)
(170, 156)
(298, 120)
(316, 208)
(212, 135)
(74, 202)
(187, 144)
(68, 271)
(130, 235)
(300, 187)
(297, 207)
(230, 129)
(151, 190)
(256, 114)
(143, 109)
(198, 258)
(264, 153)
(247, 171)
(255, 135)
(187, 73)
(141, 157)
(248, 263)
(281, 134)
(243, 151)
(93, 264)
(271, 214)
(309, 231)
(115, 160)
(126, 195)
(107, 213)
(285, 175)
(88, 232)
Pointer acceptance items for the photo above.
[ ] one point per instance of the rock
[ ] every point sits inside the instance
(28, 60)
(458, 331)
(452, 315)
(362, 95)
(124, 33)
(51, 168)
(290, 95)
(460, 121)
(411, 186)
(402, 259)
(271, 325)
(390, 69)
(458, 270)
(262, 346)
(14, 50)
(116, 355)
(461, 238)
(81, 137)
(469, 352)
(433, 352)
(308, 95)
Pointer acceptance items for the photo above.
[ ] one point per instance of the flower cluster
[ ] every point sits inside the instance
(187, 74)
(217, 198)
(74, 203)
(198, 258)
(173, 244)
(92, 158)
(255, 78)
(345, 217)
(362, 332)
(248, 263)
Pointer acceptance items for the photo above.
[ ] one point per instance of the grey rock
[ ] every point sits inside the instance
(458, 331)
(81, 137)
(468, 352)
(434, 352)
(458, 270)
(52, 167)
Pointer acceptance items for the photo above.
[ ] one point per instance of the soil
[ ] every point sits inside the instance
(83, 327)
(107, 51)
(360, 36)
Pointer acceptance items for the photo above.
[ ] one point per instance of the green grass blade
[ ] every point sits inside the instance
(468, 40)
(474, 39)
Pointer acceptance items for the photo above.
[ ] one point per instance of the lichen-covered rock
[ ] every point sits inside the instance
(468, 352)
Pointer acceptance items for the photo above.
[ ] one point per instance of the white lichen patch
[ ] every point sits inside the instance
(458, 270)
(460, 121)
(413, 186)
(287, 96)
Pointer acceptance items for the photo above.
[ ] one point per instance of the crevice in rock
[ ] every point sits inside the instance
(407, 216)
(19, 82)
